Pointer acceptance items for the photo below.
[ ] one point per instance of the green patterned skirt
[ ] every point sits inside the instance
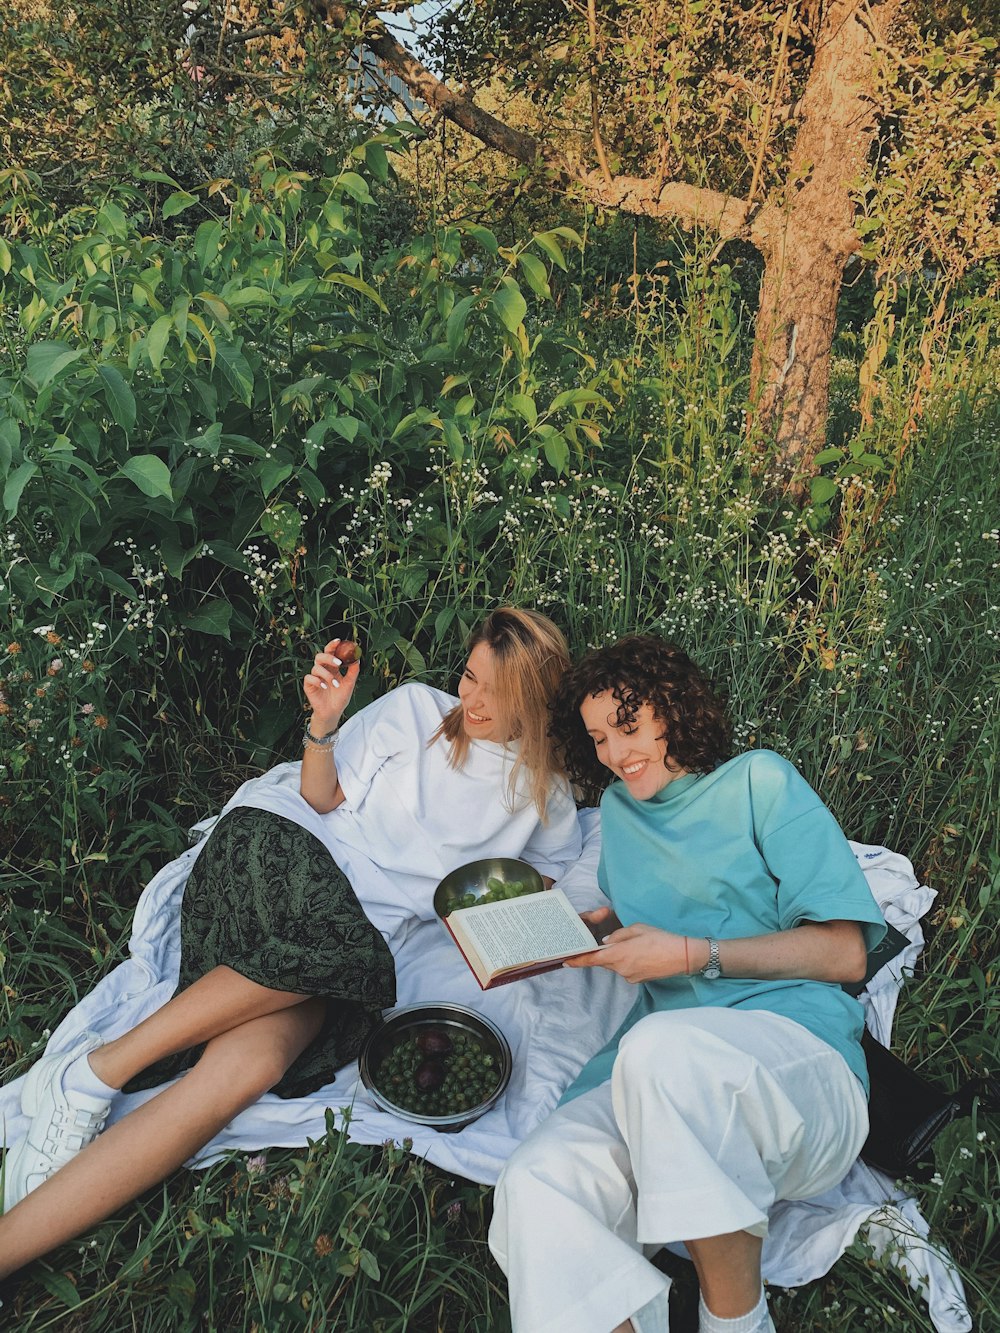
(266, 898)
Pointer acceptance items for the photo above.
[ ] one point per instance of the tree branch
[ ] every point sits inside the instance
(462, 111)
(648, 196)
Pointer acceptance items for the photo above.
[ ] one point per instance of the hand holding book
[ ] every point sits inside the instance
(506, 938)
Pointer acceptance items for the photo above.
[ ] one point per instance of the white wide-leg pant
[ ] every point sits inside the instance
(711, 1115)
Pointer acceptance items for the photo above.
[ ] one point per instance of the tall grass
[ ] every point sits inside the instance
(863, 646)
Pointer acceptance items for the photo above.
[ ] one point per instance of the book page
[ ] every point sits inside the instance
(524, 930)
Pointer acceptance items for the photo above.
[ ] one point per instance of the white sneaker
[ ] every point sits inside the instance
(62, 1122)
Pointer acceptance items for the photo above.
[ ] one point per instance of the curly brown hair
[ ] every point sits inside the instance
(637, 670)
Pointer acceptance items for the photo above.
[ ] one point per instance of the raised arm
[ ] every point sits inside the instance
(814, 951)
(327, 693)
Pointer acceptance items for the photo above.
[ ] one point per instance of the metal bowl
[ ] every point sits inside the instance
(473, 878)
(402, 1022)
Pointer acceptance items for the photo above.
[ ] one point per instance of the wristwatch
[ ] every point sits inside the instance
(713, 968)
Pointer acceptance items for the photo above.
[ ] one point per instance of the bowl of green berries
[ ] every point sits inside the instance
(489, 880)
(436, 1064)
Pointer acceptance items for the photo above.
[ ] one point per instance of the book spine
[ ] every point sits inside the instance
(519, 973)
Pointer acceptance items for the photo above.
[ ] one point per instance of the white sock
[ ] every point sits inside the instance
(79, 1077)
(756, 1320)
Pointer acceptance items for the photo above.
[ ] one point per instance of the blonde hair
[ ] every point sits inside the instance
(530, 656)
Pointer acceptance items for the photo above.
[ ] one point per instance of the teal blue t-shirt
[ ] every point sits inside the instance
(745, 850)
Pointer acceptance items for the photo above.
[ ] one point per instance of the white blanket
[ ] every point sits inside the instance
(554, 1023)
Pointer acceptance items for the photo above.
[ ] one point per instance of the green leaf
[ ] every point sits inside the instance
(575, 398)
(112, 580)
(175, 556)
(556, 452)
(150, 474)
(211, 617)
(224, 553)
(357, 592)
(545, 240)
(119, 397)
(157, 176)
(45, 361)
(207, 240)
(273, 475)
(249, 296)
(16, 483)
(534, 271)
(283, 524)
(303, 389)
(177, 202)
(59, 1286)
(455, 326)
(346, 427)
(377, 161)
(236, 370)
(483, 236)
(181, 1289)
(156, 340)
(524, 407)
(568, 234)
(509, 304)
(312, 488)
(833, 455)
(456, 444)
(5, 256)
(356, 285)
(414, 659)
(422, 416)
(113, 220)
(356, 186)
(822, 490)
(10, 442)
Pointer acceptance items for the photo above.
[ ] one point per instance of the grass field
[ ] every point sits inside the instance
(859, 639)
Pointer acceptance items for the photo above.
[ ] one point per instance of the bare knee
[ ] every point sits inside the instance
(244, 1068)
(251, 1059)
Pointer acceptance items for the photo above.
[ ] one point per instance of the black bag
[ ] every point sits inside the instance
(907, 1113)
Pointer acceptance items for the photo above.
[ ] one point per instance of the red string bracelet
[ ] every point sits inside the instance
(687, 960)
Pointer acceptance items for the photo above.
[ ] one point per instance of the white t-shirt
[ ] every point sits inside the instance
(410, 818)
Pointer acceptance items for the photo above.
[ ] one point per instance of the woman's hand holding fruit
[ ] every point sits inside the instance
(327, 691)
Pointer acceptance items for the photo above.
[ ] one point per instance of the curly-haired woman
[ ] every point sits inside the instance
(738, 1078)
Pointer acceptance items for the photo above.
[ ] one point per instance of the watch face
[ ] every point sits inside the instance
(710, 972)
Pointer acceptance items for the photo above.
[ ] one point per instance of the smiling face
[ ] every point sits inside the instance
(482, 715)
(634, 751)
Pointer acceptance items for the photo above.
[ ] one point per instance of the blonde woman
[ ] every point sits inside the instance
(286, 950)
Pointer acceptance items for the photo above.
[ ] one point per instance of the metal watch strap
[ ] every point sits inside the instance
(713, 968)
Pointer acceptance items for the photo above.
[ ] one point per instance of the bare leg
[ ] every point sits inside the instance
(728, 1270)
(220, 1000)
(144, 1147)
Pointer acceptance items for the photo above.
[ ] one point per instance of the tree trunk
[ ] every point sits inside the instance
(804, 231)
(796, 323)
(806, 243)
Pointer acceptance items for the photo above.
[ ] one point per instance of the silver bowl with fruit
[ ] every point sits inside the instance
(436, 1064)
(488, 880)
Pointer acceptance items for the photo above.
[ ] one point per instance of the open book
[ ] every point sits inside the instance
(519, 937)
